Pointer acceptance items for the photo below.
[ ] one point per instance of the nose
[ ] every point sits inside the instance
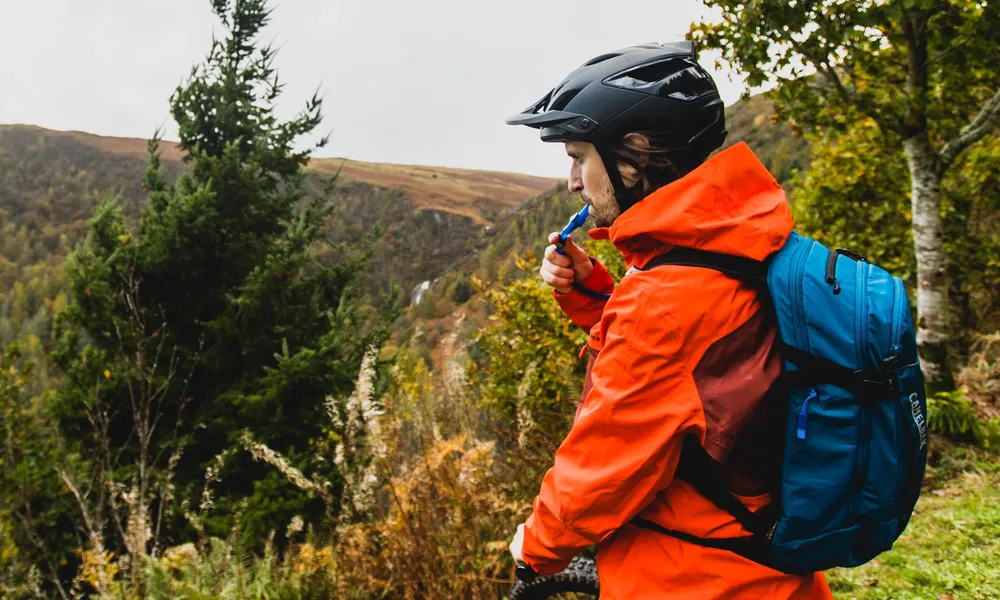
(575, 183)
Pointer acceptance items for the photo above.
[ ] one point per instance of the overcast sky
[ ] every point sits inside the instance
(416, 82)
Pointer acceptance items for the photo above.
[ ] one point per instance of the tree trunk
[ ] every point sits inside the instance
(933, 332)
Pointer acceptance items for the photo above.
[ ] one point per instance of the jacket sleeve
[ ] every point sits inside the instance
(625, 443)
(582, 309)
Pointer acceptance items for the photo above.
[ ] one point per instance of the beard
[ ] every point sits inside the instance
(603, 205)
(601, 221)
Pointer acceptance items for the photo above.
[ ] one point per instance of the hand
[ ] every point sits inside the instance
(515, 545)
(560, 270)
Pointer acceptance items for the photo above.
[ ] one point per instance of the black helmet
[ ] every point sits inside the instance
(651, 87)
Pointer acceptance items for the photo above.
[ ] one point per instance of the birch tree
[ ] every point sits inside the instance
(923, 70)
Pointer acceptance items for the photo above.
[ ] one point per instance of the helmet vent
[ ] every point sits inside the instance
(676, 78)
(601, 58)
(560, 101)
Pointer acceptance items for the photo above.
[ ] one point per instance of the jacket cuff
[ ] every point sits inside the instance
(536, 555)
(599, 281)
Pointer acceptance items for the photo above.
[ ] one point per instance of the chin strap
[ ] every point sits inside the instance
(626, 197)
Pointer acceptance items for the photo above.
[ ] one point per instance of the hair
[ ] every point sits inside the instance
(657, 163)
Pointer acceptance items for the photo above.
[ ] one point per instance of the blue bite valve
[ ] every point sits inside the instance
(574, 223)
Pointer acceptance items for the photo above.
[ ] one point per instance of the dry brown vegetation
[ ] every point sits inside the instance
(460, 191)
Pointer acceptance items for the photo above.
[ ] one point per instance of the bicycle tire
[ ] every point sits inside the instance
(579, 577)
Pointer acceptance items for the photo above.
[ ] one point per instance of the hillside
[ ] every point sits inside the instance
(465, 192)
(442, 327)
(50, 182)
(435, 223)
(479, 195)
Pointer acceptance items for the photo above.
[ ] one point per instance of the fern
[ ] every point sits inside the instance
(953, 415)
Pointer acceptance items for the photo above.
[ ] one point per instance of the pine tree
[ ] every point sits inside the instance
(212, 316)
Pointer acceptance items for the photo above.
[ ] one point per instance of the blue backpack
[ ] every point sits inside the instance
(855, 430)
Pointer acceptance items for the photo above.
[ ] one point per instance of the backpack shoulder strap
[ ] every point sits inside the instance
(738, 267)
(703, 472)
(696, 467)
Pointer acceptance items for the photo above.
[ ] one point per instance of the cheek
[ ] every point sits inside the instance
(590, 177)
(596, 181)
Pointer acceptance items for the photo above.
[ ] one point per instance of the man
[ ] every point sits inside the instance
(675, 352)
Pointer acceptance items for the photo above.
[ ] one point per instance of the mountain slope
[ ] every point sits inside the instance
(50, 182)
(434, 220)
(472, 193)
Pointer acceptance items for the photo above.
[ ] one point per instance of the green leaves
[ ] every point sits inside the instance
(531, 350)
(951, 414)
(856, 195)
(840, 62)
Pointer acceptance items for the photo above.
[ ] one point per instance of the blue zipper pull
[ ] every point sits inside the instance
(803, 416)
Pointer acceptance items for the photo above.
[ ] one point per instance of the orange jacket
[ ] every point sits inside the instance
(676, 351)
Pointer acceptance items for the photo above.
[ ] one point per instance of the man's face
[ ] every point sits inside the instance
(589, 178)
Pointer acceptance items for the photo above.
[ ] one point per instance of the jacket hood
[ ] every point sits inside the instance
(730, 204)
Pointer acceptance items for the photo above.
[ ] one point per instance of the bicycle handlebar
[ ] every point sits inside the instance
(525, 573)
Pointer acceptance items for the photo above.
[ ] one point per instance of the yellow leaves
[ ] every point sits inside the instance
(107, 373)
(310, 559)
(34, 344)
(98, 568)
(497, 545)
(124, 238)
(527, 262)
(444, 448)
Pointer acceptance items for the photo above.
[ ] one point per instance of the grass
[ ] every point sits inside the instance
(951, 548)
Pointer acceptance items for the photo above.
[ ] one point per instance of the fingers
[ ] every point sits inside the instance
(557, 271)
(559, 260)
(575, 252)
(557, 277)
(560, 271)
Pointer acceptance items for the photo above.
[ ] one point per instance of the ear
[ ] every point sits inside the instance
(640, 144)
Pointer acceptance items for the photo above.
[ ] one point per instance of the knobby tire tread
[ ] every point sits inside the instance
(579, 577)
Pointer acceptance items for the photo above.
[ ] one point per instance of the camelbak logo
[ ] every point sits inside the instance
(918, 418)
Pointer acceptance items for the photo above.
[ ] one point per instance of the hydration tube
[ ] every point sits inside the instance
(575, 223)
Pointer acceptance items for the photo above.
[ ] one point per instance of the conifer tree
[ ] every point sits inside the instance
(212, 317)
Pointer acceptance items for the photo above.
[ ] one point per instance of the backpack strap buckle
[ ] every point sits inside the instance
(872, 384)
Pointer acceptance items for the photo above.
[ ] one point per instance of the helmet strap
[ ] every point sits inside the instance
(625, 196)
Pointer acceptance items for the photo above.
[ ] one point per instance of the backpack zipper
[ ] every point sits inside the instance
(865, 406)
(796, 293)
(861, 331)
(800, 431)
(902, 427)
(898, 305)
